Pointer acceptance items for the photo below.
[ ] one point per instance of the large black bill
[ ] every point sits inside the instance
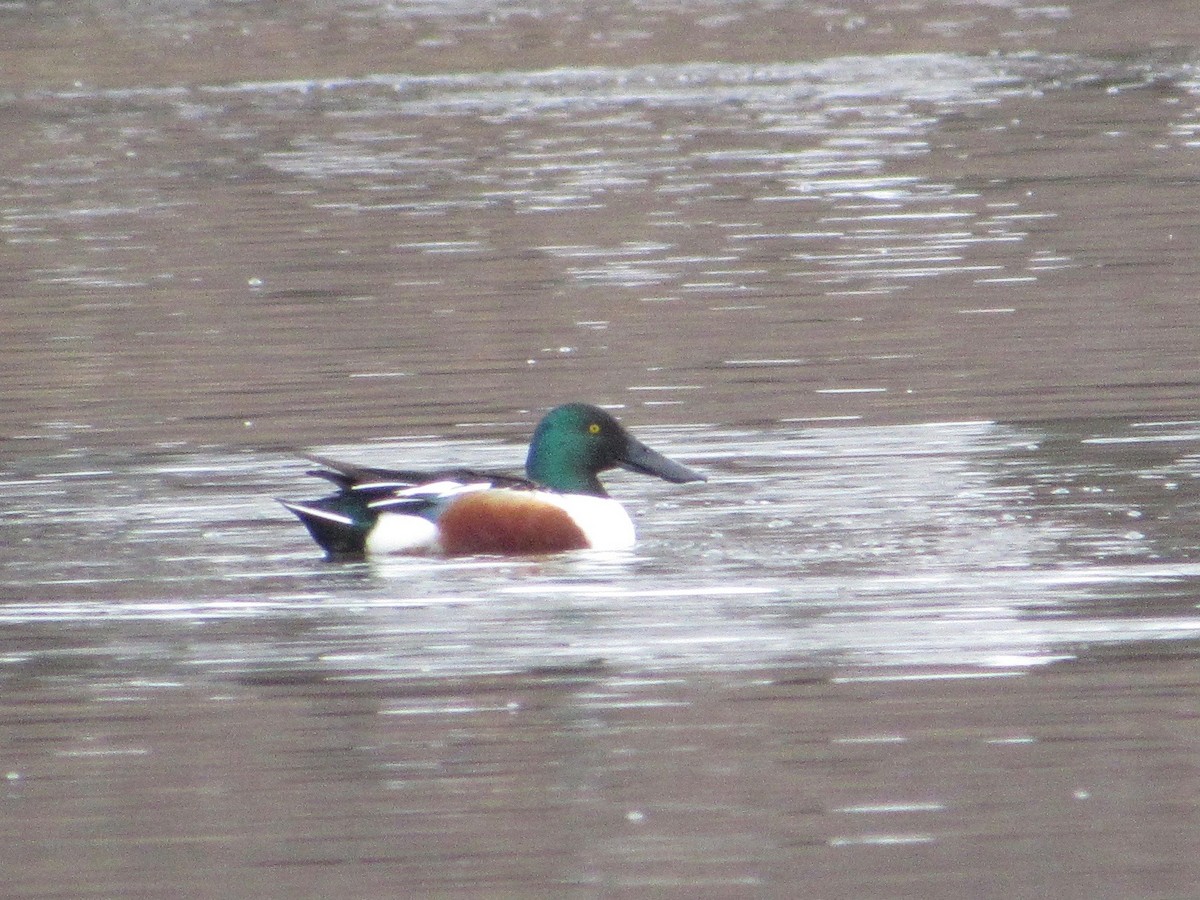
(640, 458)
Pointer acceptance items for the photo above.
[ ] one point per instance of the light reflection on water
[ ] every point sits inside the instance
(791, 250)
(886, 236)
(820, 135)
(961, 543)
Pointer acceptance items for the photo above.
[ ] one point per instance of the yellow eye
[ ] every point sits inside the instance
(594, 428)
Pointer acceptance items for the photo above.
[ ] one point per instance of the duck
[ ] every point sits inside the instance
(560, 505)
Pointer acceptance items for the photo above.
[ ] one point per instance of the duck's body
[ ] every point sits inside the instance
(560, 506)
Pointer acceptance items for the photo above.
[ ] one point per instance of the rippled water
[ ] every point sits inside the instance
(897, 238)
(913, 285)
(960, 543)
(859, 615)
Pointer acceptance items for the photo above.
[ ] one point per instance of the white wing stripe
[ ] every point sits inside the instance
(320, 513)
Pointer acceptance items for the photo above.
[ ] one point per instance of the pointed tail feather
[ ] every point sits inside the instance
(337, 533)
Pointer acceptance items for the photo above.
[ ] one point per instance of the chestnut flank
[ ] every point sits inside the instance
(507, 522)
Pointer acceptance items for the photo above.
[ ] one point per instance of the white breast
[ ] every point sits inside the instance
(602, 520)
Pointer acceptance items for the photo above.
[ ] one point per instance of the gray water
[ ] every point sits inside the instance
(913, 286)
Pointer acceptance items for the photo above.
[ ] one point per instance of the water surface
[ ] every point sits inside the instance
(914, 286)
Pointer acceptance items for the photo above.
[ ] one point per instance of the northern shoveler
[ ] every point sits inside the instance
(560, 506)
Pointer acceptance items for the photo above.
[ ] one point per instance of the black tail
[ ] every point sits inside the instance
(337, 523)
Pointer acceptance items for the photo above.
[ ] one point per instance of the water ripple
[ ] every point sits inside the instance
(961, 543)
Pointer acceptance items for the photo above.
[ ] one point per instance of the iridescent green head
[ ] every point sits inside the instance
(576, 442)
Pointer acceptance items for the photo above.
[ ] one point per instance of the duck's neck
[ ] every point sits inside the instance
(553, 465)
